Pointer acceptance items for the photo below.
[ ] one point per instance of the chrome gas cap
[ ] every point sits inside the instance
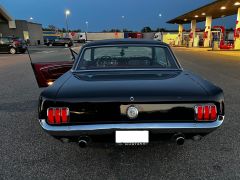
(132, 112)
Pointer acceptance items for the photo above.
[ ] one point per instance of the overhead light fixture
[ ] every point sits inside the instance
(223, 8)
(67, 12)
(196, 16)
(185, 19)
(237, 4)
(203, 14)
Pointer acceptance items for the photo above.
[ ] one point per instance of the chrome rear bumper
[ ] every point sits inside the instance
(95, 129)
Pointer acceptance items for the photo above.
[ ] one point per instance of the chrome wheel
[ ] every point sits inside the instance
(12, 51)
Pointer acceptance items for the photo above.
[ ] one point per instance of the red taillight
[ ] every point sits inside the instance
(206, 113)
(199, 112)
(58, 115)
(16, 42)
(213, 114)
(50, 114)
(64, 115)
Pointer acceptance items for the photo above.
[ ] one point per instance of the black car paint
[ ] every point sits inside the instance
(6, 43)
(61, 42)
(99, 96)
(107, 92)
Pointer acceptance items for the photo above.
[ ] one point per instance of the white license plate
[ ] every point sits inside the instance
(132, 137)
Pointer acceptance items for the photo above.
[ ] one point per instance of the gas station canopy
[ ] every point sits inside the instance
(217, 9)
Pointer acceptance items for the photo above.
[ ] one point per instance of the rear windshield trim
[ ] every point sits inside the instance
(75, 66)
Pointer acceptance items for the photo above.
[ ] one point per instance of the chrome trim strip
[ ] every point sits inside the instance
(130, 69)
(73, 130)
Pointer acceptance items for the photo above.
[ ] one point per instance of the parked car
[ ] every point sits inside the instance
(12, 45)
(131, 91)
(67, 42)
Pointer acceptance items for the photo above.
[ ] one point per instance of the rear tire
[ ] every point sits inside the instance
(12, 51)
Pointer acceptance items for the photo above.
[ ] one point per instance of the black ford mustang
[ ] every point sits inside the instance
(127, 91)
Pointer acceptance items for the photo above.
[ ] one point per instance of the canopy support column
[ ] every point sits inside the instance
(192, 33)
(180, 34)
(237, 31)
(208, 32)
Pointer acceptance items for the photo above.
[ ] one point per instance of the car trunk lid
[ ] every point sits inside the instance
(144, 86)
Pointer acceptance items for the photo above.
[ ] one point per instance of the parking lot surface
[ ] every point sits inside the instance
(26, 152)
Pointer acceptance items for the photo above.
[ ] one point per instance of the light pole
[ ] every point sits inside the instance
(123, 17)
(86, 29)
(159, 15)
(87, 26)
(67, 13)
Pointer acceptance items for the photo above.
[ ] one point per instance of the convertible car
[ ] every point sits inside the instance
(128, 92)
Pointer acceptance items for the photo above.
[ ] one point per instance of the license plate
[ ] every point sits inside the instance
(132, 137)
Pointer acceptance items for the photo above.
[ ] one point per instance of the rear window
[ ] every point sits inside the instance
(123, 57)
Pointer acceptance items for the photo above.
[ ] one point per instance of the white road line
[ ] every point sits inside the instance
(46, 52)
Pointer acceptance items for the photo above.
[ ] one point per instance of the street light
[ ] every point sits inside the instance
(86, 30)
(31, 18)
(87, 26)
(67, 13)
(160, 16)
(123, 17)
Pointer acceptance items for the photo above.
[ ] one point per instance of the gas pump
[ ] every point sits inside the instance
(237, 33)
(185, 39)
(219, 35)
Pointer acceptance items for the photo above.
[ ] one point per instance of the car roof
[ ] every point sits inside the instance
(124, 41)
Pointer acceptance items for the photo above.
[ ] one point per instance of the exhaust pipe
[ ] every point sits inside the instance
(83, 141)
(180, 140)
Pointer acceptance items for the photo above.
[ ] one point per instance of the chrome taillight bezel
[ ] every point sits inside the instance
(212, 112)
(61, 116)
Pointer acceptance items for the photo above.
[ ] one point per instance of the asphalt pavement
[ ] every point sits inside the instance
(27, 152)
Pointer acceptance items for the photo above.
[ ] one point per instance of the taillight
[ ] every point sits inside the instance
(206, 112)
(16, 42)
(65, 115)
(58, 115)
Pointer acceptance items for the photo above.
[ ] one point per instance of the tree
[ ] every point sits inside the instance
(64, 30)
(146, 29)
(111, 30)
(127, 30)
(52, 27)
(160, 30)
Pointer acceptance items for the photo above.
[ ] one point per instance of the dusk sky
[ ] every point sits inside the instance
(107, 14)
